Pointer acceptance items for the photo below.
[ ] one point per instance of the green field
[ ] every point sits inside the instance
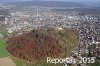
(3, 51)
(3, 44)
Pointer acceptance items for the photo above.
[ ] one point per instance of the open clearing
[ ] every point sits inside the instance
(7, 61)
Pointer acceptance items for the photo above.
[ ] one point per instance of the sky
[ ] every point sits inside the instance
(72, 0)
(88, 2)
(53, 0)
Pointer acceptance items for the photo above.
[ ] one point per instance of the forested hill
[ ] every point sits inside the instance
(40, 44)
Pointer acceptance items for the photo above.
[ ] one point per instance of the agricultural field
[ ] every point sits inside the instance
(5, 59)
(3, 51)
(3, 42)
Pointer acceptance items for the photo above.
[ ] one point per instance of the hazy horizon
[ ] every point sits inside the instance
(52, 0)
(85, 2)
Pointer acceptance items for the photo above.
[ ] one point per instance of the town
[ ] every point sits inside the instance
(19, 20)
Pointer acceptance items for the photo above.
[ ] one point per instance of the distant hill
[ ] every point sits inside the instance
(82, 11)
(48, 3)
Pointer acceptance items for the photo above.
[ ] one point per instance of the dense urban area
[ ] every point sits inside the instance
(30, 34)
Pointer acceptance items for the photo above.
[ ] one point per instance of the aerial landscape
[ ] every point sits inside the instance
(49, 33)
